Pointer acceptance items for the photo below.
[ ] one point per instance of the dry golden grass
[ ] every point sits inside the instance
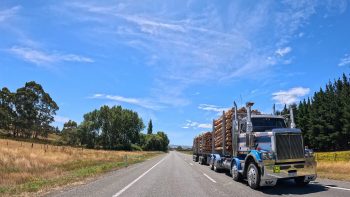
(24, 168)
(338, 170)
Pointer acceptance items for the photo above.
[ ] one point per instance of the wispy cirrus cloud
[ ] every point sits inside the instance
(44, 58)
(196, 125)
(290, 96)
(9, 13)
(145, 103)
(283, 51)
(212, 108)
(345, 61)
(193, 45)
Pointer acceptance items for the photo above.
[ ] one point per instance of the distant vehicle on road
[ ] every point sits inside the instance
(257, 147)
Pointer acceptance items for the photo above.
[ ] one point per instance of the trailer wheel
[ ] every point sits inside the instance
(253, 176)
(216, 168)
(236, 176)
(300, 181)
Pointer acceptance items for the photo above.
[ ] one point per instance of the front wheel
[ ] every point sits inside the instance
(236, 176)
(253, 176)
(300, 181)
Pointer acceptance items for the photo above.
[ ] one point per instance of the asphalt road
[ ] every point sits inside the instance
(175, 174)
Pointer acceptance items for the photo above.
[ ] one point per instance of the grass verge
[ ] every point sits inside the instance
(333, 165)
(27, 168)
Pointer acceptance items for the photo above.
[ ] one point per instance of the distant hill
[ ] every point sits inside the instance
(172, 146)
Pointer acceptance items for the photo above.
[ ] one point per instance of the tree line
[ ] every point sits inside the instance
(113, 128)
(324, 118)
(29, 111)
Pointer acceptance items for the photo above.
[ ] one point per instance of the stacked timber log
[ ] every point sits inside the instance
(202, 143)
(223, 129)
(207, 142)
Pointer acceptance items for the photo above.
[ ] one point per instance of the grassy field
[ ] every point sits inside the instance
(333, 165)
(29, 167)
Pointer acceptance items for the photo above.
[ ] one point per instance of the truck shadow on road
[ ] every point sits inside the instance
(288, 187)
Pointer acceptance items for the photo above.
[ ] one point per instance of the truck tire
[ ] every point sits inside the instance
(212, 166)
(299, 181)
(215, 168)
(236, 176)
(253, 176)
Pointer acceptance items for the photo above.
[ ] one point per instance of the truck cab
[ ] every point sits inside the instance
(270, 151)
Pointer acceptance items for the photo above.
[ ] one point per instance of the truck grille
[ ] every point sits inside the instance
(289, 146)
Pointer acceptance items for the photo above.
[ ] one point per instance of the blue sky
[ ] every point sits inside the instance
(178, 62)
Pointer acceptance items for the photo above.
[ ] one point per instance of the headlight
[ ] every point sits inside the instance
(309, 153)
(267, 155)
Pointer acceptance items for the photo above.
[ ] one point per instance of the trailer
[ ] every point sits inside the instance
(202, 148)
(260, 148)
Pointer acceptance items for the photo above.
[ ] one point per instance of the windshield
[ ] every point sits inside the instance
(263, 124)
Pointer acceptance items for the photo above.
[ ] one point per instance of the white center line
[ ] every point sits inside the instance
(346, 189)
(138, 178)
(209, 178)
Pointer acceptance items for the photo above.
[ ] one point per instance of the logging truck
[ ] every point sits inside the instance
(257, 147)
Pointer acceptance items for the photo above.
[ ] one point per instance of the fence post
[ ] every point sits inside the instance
(32, 145)
(126, 160)
(335, 156)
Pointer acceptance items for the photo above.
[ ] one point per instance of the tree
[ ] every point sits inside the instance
(111, 128)
(35, 110)
(150, 127)
(7, 113)
(70, 133)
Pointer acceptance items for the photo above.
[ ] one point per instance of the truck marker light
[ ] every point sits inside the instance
(276, 169)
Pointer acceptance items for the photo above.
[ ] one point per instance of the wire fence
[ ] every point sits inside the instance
(333, 156)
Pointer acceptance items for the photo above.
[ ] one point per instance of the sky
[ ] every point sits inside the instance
(177, 62)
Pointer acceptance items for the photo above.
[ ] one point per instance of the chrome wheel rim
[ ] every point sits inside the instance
(234, 171)
(251, 176)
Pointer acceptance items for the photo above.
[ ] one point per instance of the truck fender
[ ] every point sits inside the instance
(217, 158)
(253, 155)
(237, 162)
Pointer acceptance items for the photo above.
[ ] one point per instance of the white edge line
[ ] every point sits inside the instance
(212, 180)
(138, 178)
(337, 188)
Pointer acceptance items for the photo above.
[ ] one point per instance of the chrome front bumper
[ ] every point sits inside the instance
(271, 172)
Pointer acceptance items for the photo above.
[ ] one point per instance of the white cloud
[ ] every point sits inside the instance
(61, 119)
(8, 13)
(196, 125)
(214, 108)
(283, 51)
(43, 58)
(345, 60)
(290, 96)
(145, 103)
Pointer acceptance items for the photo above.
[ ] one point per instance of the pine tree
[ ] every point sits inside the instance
(150, 127)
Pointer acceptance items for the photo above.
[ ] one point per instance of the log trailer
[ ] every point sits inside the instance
(202, 148)
(259, 148)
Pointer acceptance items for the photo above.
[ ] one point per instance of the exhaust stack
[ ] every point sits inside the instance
(249, 117)
(274, 109)
(292, 123)
(235, 131)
